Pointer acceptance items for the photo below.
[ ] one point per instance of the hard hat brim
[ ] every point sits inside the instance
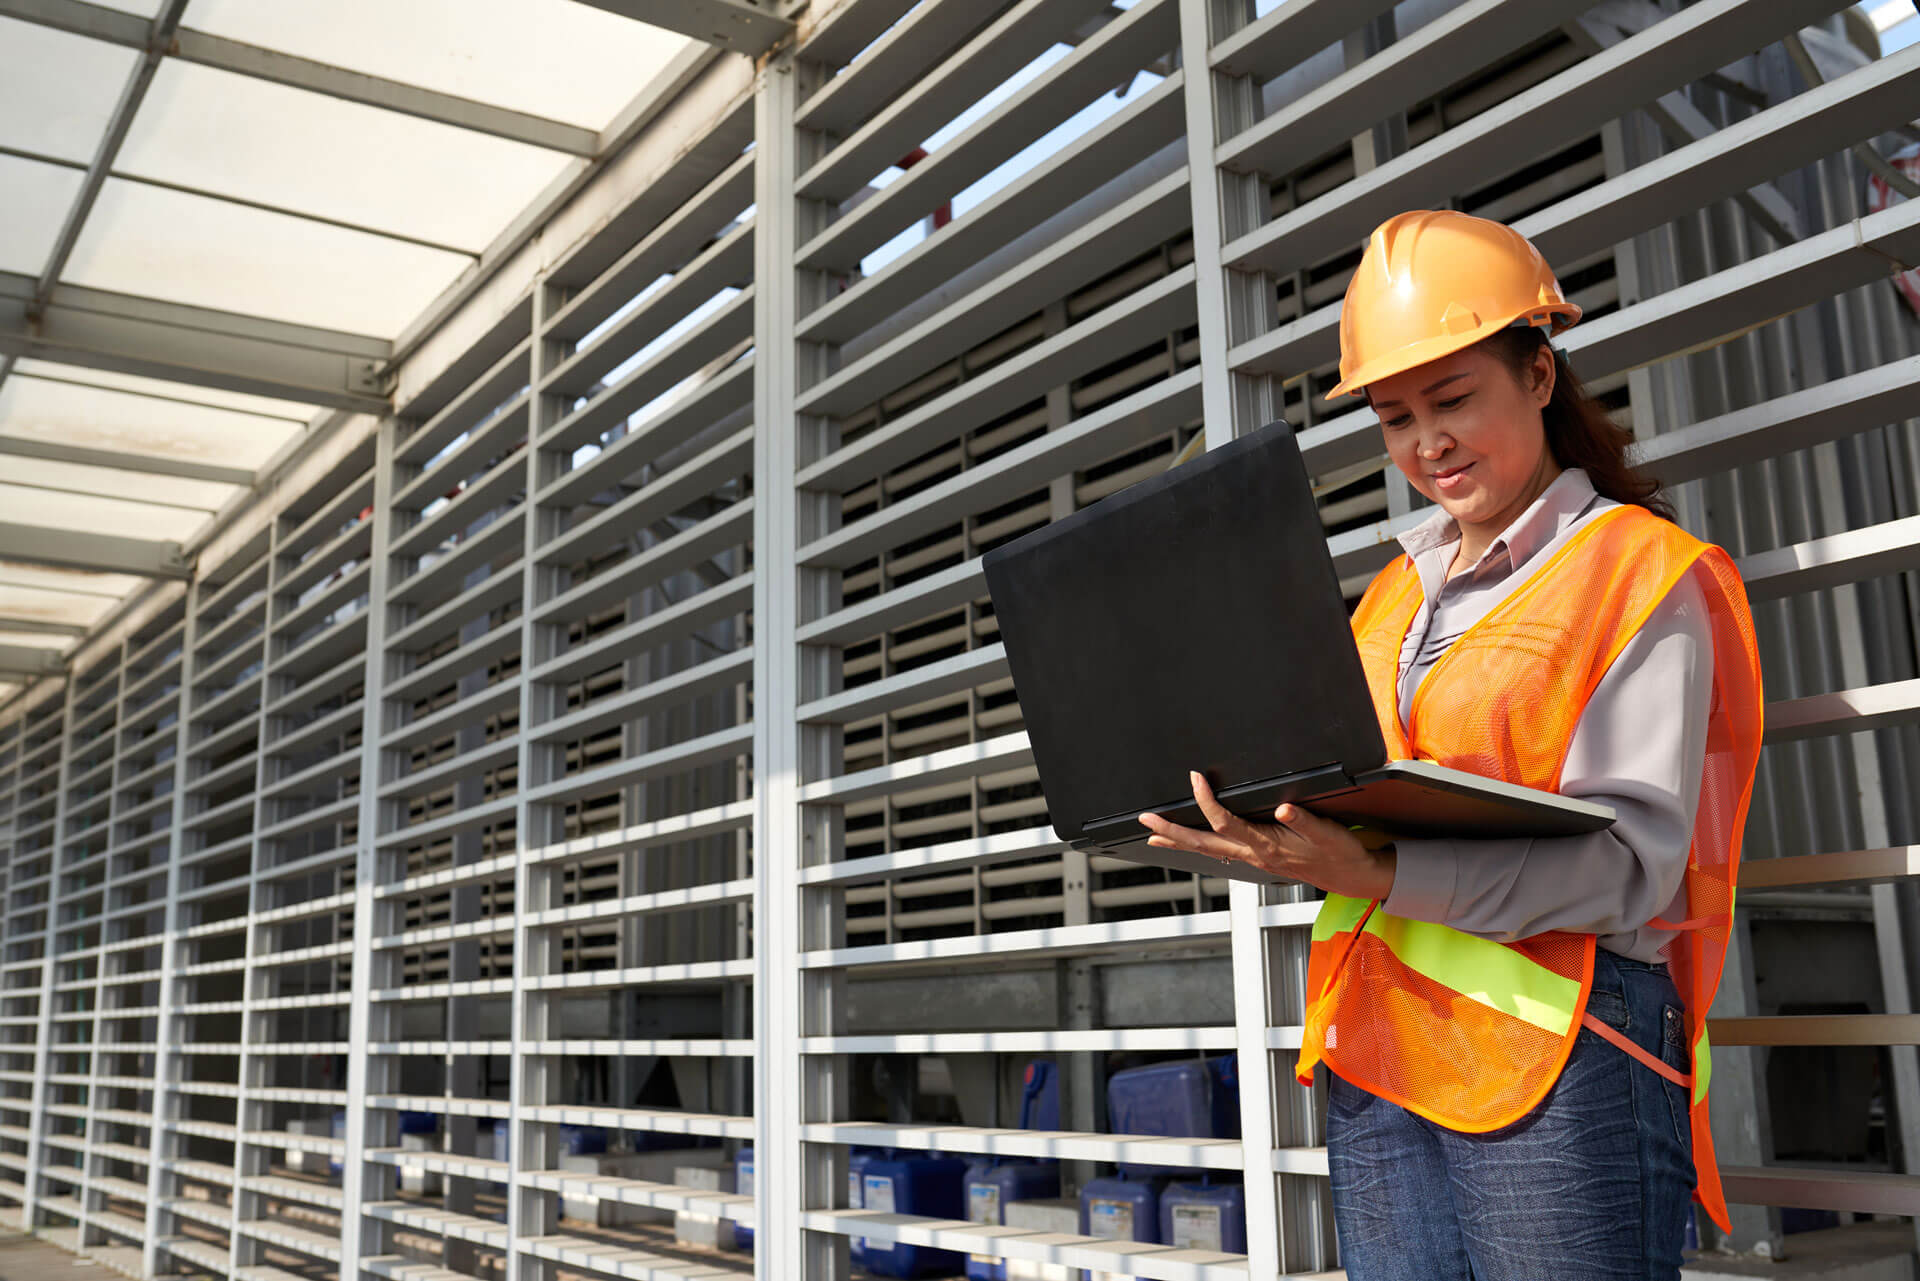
(1559, 317)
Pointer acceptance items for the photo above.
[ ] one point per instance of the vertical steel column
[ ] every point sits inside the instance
(1379, 144)
(243, 1203)
(532, 1212)
(787, 1182)
(1234, 307)
(43, 1049)
(166, 1060)
(356, 1189)
(461, 1073)
(92, 1136)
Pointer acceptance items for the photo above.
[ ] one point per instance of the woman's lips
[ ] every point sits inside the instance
(1452, 478)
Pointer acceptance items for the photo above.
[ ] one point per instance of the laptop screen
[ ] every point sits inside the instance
(1192, 621)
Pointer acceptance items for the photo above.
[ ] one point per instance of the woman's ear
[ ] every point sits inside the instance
(1543, 371)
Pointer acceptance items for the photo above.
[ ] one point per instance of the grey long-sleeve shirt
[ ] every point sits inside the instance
(1639, 746)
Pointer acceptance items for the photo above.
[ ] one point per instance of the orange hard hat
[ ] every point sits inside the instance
(1433, 282)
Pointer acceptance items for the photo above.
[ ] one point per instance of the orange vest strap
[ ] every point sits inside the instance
(1680, 927)
(1682, 1079)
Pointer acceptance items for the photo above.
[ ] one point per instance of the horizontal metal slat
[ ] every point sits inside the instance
(1112, 56)
(1147, 314)
(1150, 122)
(1529, 125)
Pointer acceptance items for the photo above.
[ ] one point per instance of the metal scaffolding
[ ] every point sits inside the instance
(613, 731)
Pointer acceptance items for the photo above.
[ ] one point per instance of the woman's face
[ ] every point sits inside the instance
(1467, 432)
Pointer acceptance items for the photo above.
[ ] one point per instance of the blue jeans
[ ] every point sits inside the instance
(1594, 1184)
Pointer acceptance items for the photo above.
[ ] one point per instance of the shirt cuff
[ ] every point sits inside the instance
(1423, 879)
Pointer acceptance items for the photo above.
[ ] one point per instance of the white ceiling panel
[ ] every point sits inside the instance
(34, 206)
(125, 519)
(211, 253)
(552, 58)
(57, 91)
(27, 603)
(67, 413)
(160, 389)
(235, 136)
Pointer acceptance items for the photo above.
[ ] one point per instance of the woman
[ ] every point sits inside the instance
(1516, 1027)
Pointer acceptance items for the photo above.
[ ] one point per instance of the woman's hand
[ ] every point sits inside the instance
(1298, 844)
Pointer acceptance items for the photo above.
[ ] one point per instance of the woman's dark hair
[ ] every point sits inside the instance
(1578, 430)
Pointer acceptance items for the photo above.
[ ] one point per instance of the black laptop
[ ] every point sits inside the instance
(1194, 621)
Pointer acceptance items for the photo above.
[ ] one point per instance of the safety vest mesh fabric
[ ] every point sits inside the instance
(1428, 1017)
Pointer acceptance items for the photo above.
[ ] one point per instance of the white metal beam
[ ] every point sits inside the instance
(30, 661)
(83, 549)
(144, 464)
(739, 25)
(114, 27)
(98, 329)
(41, 626)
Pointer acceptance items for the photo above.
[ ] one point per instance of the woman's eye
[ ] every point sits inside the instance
(1454, 403)
(1399, 420)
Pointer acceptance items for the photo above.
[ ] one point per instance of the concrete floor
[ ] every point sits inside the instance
(25, 1258)
(1878, 1251)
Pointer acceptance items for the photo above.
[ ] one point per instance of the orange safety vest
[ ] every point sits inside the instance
(1472, 1033)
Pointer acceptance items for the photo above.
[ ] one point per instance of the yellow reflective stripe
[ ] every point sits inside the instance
(1702, 1065)
(1337, 915)
(1481, 970)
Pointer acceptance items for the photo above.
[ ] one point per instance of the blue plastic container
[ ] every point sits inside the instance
(419, 1123)
(927, 1186)
(337, 1165)
(582, 1140)
(500, 1132)
(1121, 1209)
(858, 1159)
(991, 1185)
(989, 1189)
(1187, 1099)
(1040, 1097)
(743, 1184)
(1204, 1216)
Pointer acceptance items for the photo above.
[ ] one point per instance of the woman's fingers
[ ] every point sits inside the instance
(1307, 824)
(1219, 817)
(1171, 836)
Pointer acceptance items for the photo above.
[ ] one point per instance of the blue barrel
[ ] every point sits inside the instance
(1186, 1099)
(926, 1186)
(500, 1131)
(1121, 1209)
(582, 1140)
(1204, 1216)
(743, 1184)
(990, 1187)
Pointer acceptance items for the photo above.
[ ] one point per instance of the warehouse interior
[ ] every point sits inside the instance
(507, 768)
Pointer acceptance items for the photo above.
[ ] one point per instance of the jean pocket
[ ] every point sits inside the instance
(1675, 1054)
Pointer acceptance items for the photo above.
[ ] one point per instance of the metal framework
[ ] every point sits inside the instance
(610, 730)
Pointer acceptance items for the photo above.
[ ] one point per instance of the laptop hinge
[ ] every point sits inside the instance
(1262, 793)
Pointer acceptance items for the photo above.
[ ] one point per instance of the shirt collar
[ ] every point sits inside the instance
(1562, 503)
